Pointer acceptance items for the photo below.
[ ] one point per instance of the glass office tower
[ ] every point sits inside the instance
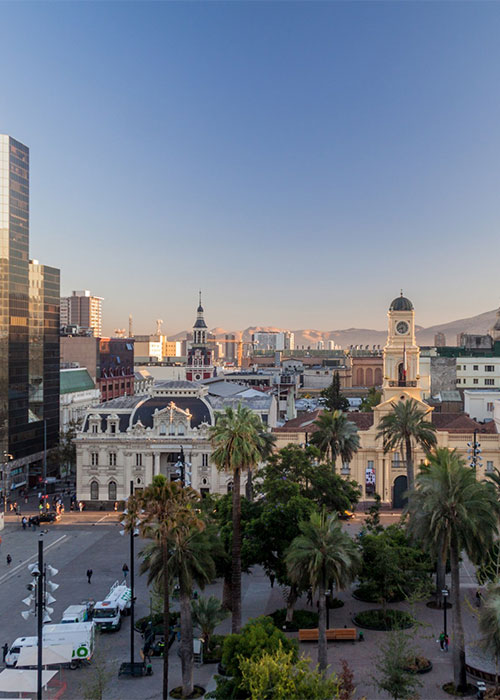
(29, 319)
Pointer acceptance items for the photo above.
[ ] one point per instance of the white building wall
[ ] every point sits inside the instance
(480, 404)
(478, 372)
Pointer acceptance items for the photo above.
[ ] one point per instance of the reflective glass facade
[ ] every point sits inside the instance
(29, 319)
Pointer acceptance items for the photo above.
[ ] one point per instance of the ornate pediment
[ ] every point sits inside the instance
(172, 420)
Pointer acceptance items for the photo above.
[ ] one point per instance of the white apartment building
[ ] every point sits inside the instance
(480, 403)
(478, 372)
(274, 340)
(82, 309)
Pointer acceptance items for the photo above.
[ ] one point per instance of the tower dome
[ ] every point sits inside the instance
(401, 303)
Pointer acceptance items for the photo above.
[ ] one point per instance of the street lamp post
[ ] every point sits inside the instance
(445, 593)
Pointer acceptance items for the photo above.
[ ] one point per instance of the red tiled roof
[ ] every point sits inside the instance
(460, 423)
(305, 422)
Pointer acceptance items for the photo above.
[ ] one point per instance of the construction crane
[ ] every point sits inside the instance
(159, 323)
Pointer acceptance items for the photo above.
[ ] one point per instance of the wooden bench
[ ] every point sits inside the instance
(345, 634)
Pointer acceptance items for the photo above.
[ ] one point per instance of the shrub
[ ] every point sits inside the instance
(141, 623)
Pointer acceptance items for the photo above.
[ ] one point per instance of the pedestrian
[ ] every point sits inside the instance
(80, 506)
(89, 574)
(446, 642)
(5, 651)
(26, 498)
(9, 559)
(24, 521)
(478, 598)
(441, 640)
(271, 578)
(310, 596)
(39, 495)
(125, 571)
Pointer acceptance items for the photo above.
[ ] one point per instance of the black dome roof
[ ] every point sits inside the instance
(401, 303)
(197, 407)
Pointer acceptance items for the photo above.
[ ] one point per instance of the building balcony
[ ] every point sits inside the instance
(408, 382)
(398, 464)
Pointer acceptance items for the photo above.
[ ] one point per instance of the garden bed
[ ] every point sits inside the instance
(450, 688)
(376, 619)
(198, 692)
(419, 664)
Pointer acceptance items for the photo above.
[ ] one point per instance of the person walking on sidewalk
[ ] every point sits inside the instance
(9, 560)
(89, 574)
(125, 571)
(5, 651)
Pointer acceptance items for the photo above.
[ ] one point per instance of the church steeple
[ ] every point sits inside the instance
(199, 360)
(200, 327)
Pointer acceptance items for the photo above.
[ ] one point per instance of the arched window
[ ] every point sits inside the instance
(369, 377)
(180, 430)
(163, 429)
(378, 376)
(94, 491)
(360, 377)
(112, 491)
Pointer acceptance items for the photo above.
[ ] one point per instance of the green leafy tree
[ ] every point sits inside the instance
(372, 399)
(334, 399)
(163, 507)
(276, 676)
(393, 676)
(458, 513)
(372, 521)
(335, 436)
(391, 566)
(208, 613)
(326, 555)
(403, 428)
(237, 445)
(258, 637)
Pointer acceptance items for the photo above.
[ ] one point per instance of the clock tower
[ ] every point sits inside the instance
(401, 353)
(199, 358)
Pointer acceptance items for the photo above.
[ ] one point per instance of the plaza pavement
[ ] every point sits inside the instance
(91, 539)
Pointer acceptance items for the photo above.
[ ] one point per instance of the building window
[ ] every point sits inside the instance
(112, 459)
(94, 491)
(204, 460)
(489, 382)
(94, 428)
(489, 466)
(489, 406)
(489, 368)
(113, 427)
(476, 381)
(458, 368)
(138, 460)
(94, 459)
(475, 368)
(459, 381)
(112, 491)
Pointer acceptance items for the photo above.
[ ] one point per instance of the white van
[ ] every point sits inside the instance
(80, 634)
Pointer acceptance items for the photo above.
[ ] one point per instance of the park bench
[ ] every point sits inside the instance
(345, 634)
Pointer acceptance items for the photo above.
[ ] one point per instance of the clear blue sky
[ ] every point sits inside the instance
(299, 161)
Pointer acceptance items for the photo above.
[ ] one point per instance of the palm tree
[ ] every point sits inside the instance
(489, 624)
(207, 614)
(190, 560)
(335, 436)
(404, 427)
(265, 446)
(326, 555)
(166, 506)
(236, 444)
(456, 513)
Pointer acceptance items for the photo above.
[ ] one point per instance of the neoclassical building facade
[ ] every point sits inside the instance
(136, 437)
(371, 467)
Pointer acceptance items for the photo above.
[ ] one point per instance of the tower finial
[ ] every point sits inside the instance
(199, 293)
(401, 292)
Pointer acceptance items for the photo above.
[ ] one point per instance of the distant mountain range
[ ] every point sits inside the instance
(366, 336)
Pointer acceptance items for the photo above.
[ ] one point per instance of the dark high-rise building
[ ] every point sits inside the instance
(29, 326)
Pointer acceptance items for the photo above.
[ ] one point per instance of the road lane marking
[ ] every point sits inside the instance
(13, 571)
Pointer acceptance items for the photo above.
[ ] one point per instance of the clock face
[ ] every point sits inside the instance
(402, 327)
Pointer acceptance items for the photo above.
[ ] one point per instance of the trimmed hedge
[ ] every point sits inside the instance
(376, 619)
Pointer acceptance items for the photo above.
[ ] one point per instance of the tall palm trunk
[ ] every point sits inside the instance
(458, 645)
(333, 458)
(166, 616)
(290, 602)
(322, 656)
(186, 641)
(236, 563)
(410, 472)
(249, 485)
